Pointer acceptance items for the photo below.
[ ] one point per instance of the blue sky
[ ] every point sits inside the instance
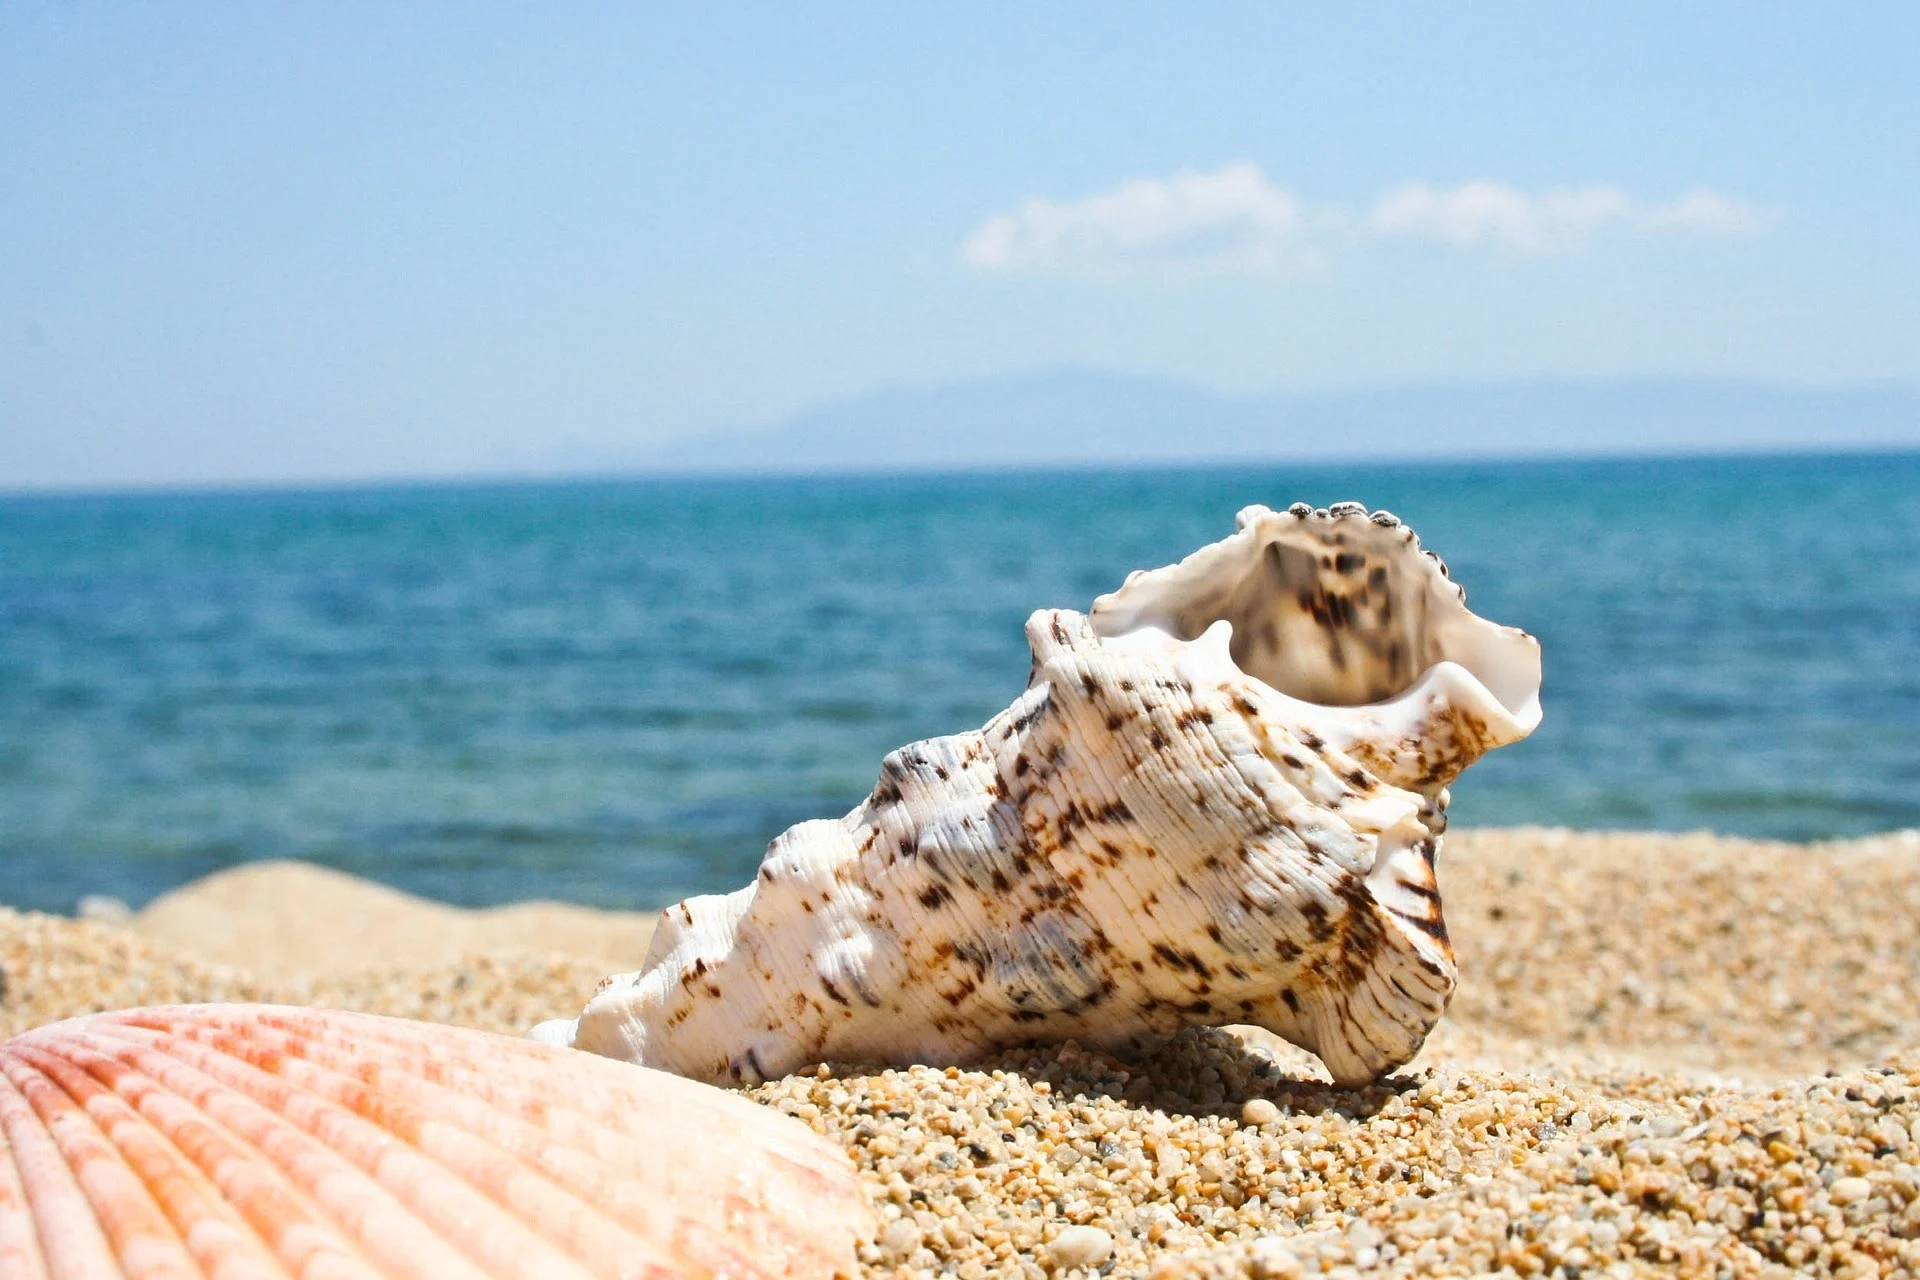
(269, 242)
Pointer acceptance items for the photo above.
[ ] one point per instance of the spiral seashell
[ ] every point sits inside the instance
(1219, 800)
(259, 1141)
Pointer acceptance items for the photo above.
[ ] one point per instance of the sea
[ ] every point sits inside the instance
(615, 692)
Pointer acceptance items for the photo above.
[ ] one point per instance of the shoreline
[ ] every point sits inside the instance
(234, 915)
(1666, 1051)
(1620, 920)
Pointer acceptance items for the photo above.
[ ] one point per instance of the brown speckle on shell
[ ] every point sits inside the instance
(1231, 773)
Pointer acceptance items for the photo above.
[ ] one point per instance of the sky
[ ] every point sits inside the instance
(249, 243)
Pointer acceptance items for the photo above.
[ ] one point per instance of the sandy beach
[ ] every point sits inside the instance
(1667, 1053)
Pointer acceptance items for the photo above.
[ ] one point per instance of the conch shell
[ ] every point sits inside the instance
(1219, 800)
(253, 1140)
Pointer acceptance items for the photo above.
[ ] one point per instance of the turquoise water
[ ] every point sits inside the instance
(616, 693)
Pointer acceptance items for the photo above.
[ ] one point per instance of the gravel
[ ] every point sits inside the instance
(1669, 1054)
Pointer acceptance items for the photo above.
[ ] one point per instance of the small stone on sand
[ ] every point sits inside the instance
(1669, 1054)
(1080, 1247)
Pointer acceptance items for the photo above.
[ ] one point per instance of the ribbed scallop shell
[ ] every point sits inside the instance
(256, 1140)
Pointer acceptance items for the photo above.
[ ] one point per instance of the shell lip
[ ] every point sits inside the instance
(1463, 691)
(1244, 572)
(1447, 681)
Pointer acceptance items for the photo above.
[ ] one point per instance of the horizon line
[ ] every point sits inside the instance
(589, 477)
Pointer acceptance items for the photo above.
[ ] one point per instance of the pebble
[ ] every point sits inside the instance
(1850, 1190)
(1646, 1070)
(1080, 1247)
(900, 1237)
(1270, 1259)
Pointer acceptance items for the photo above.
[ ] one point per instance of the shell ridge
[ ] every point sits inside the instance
(446, 1201)
(312, 1038)
(476, 1096)
(56, 1227)
(456, 1080)
(20, 1252)
(1174, 985)
(1395, 1011)
(1096, 796)
(485, 1119)
(338, 1188)
(512, 1179)
(1105, 794)
(1361, 1038)
(198, 1142)
(1249, 745)
(1156, 775)
(1144, 814)
(289, 1223)
(968, 846)
(135, 1230)
(577, 1169)
(117, 1095)
(1042, 947)
(591, 1106)
(1404, 931)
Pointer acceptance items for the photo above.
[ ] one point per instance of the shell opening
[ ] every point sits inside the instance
(1334, 607)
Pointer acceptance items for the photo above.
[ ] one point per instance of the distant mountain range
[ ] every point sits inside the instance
(1074, 417)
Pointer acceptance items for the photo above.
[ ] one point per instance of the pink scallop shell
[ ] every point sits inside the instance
(258, 1140)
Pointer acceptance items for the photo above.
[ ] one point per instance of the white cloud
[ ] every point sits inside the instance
(1492, 214)
(1707, 213)
(1230, 220)
(1236, 221)
(1489, 213)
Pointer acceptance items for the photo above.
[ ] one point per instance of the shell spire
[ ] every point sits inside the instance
(1219, 800)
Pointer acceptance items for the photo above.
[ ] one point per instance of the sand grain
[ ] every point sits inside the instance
(1668, 1055)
